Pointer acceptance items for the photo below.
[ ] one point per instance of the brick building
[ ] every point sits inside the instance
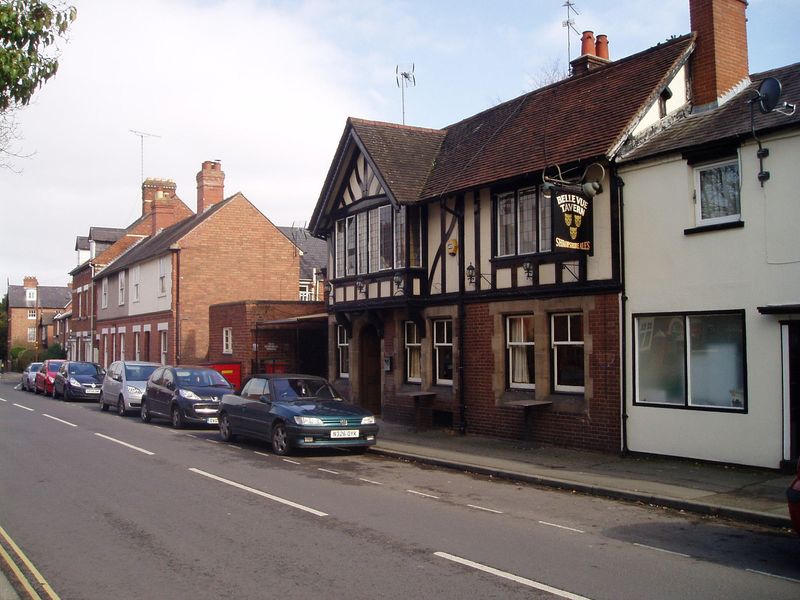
(152, 303)
(30, 306)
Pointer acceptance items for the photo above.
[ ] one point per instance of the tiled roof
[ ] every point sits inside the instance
(726, 123)
(404, 155)
(81, 242)
(158, 244)
(582, 117)
(105, 234)
(49, 296)
(315, 251)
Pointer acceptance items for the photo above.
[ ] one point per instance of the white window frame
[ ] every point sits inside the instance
(568, 342)
(136, 349)
(342, 352)
(31, 334)
(698, 170)
(227, 340)
(32, 314)
(438, 345)
(413, 344)
(136, 275)
(512, 345)
(164, 345)
(121, 346)
(121, 288)
(30, 294)
(104, 293)
(162, 276)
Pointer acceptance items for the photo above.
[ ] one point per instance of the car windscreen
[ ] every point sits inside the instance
(139, 372)
(84, 369)
(297, 387)
(201, 377)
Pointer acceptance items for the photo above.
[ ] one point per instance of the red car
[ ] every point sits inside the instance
(46, 376)
(793, 497)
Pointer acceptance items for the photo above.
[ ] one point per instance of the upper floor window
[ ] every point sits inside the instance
(523, 223)
(567, 346)
(717, 193)
(136, 275)
(378, 240)
(413, 353)
(305, 292)
(80, 304)
(30, 294)
(443, 350)
(31, 313)
(343, 351)
(121, 285)
(162, 276)
(520, 345)
(227, 340)
(104, 293)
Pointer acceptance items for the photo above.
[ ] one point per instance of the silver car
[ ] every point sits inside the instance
(124, 385)
(29, 376)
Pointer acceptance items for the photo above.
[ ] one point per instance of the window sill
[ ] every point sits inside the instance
(717, 227)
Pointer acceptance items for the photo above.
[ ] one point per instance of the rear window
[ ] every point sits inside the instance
(138, 372)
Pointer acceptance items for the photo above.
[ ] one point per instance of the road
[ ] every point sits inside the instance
(109, 507)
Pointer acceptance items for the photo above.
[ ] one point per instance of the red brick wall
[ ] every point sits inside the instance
(235, 254)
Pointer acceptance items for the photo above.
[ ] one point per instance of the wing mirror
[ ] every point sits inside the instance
(264, 398)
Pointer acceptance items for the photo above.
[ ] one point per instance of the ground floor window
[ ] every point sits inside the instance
(122, 346)
(443, 350)
(413, 353)
(163, 335)
(343, 351)
(691, 360)
(567, 349)
(227, 340)
(31, 334)
(136, 350)
(520, 348)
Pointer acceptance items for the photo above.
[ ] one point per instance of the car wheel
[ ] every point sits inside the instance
(121, 406)
(280, 443)
(145, 412)
(177, 417)
(225, 431)
(103, 405)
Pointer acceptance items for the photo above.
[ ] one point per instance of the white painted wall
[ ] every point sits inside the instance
(756, 265)
(149, 298)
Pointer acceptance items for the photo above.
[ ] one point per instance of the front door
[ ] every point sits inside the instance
(791, 373)
(370, 367)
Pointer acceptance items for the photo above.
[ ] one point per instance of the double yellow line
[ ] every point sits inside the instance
(21, 577)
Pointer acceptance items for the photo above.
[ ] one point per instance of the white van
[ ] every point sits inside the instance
(124, 385)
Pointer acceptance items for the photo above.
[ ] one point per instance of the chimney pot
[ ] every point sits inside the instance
(601, 46)
(587, 43)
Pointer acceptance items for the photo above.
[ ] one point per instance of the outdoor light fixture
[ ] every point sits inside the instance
(398, 281)
(360, 284)
(471, 273)
(527, 266)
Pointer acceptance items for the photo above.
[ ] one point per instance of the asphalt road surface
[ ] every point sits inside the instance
(108, 507)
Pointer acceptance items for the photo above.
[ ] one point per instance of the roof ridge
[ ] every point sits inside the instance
(393, 125)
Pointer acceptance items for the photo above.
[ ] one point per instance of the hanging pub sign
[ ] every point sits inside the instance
(572, 220)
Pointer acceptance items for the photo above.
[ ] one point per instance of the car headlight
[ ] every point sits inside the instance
(188, 394)
(50, 379)
(308, 421)
(74, 382)
(134, 390)
(368, 421)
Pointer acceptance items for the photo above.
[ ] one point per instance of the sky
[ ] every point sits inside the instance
(265, 86)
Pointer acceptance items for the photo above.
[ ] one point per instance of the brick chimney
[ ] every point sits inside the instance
(719, 61)
(593, 53)
(156, 188)
(210, 185)
(30, 282)
(162, 214)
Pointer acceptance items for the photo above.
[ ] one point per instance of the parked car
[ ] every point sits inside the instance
(45, 377)
(29, 376)
(793, 498)
(123, 385)
(295, 411)
(78, 380)
(186, 395)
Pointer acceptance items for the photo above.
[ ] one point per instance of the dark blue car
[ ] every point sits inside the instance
(295, 411)
(78, 380)
(187, 395)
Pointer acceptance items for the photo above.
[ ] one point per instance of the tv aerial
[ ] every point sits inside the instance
(569, 24)
(768, 99)
(404, 78)
(143, 135)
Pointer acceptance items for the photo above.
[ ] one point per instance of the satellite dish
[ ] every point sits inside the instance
(769, 92)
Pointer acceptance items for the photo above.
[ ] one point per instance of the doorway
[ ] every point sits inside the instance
(791, 390)
(370, 368)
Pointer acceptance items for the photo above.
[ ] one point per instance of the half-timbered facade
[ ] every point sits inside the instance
(475, 270)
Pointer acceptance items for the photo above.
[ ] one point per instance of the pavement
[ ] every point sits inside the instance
(746, 494)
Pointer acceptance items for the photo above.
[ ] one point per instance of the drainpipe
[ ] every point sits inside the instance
(91, 311)
(618, 184)
(174, 247)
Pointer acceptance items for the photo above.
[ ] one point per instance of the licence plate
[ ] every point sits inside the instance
(92, 390)
(212, 420)
(344, 433)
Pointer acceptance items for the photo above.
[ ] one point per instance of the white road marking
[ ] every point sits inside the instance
(328, 471)
(511, 577)
(234, 446)
(662, 550)
(259, 493)
(263, 454)
(3, 400)
(370, 481)
(213, 441)
(772, 575)
(25, 407)
(422, 494)
(59, 420)
(491, 510)
(294, 462)
(121, 443)
(561, 527)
